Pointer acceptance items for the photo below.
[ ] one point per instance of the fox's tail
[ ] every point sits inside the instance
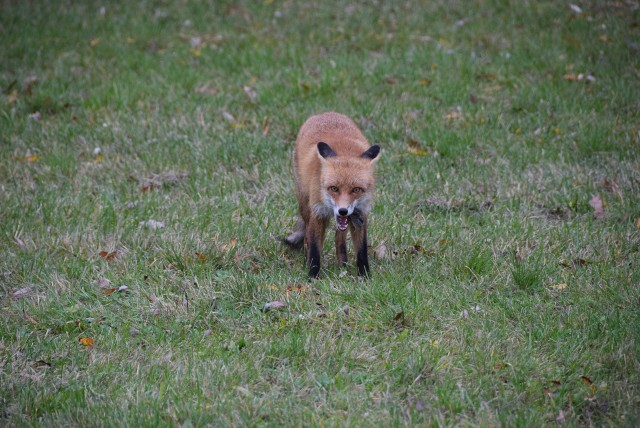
(296, 239)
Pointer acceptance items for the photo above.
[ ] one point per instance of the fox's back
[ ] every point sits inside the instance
(335, 129)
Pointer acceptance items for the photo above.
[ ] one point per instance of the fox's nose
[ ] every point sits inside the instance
(343, 211)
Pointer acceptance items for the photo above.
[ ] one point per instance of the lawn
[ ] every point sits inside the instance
(146, 182)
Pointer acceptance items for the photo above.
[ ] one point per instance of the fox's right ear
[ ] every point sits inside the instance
(325, 151)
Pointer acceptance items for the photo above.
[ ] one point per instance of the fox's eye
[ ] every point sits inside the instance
(357, 190)
(333, 189)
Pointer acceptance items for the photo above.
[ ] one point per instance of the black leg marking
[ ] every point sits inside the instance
(362, 258)
(314, 259)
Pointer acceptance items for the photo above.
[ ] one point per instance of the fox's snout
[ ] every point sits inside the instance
(343, 211)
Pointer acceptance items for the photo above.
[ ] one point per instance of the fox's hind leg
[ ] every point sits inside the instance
(296, 239)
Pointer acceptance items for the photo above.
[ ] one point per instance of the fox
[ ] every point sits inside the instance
(334, 171)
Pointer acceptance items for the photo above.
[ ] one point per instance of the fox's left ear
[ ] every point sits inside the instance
(371, 153)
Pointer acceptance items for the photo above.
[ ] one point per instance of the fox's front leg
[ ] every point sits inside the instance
(314, 239)
(341, 246)
(358, 227)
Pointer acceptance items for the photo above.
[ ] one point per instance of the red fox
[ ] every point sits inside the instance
(334, 169)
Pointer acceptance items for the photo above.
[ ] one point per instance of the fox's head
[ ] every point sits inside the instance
(347, 183)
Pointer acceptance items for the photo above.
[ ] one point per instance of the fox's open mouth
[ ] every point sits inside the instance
(342, 222)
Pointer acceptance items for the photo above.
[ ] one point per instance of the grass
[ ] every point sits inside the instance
(498, 297)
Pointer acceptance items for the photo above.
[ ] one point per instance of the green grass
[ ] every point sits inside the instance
(499, 297)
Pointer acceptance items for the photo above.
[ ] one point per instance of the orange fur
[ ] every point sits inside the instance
(334, 169)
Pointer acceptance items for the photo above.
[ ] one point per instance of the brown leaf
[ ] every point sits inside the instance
(206, 89)
(297, 289)
(589, 382)
(452, 115)
(86, 341)
(265, 126)
(108, 256)
(638, 223)
(399, 316)
(109, 291)
(597, 205)
(485, 76)
(12, 97)
(201, 257)
(29, 317)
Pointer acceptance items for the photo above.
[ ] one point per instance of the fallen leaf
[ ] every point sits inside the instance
(108, 256)
(556, 382)
(31, 157)
(297, 289)
(29, 318)
(228, 116)
(418, 151)
(346, 309)
(419, 249)
(265, 126)
(109, 291)
(274, 305)
(12, 97)
(597, 205)
(230, 245)
(152, 224)
(41, 363)
(424, 82)
(201, 257)
(251, 93)
(559, 286)
(589, 382)
(21, 292)
(86, 341)
(95, 42)
(206, 89)
(453, 115)
(399, 316)
(380, 251)
(638, 223)
(485, 76)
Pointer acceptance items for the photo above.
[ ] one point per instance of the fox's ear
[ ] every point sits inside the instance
(325, 151)
(371, 153)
